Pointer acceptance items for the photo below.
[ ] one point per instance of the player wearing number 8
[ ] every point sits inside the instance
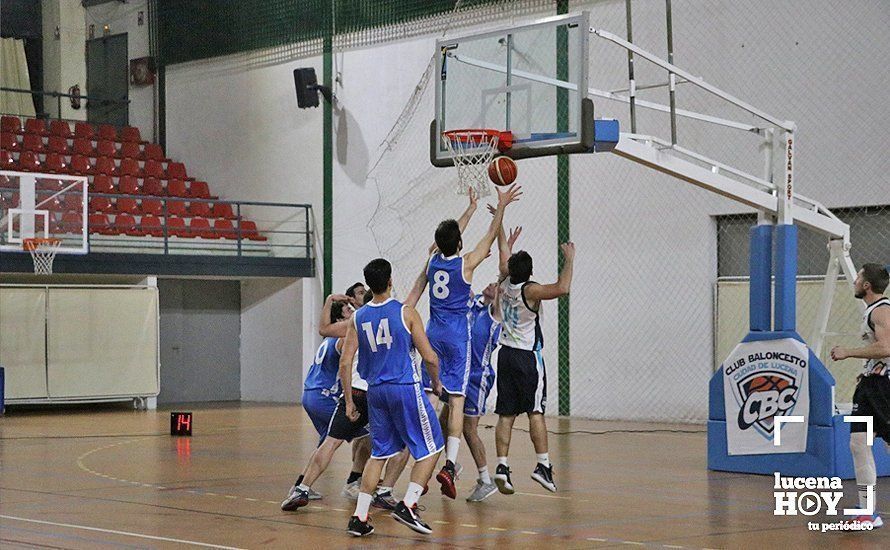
(449, 275)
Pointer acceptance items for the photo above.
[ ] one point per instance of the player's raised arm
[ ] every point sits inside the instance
(483, 249)
(418, 288)
(538, 293)
(464, 219)
(325, 327)
(422, 344)
(350, 346)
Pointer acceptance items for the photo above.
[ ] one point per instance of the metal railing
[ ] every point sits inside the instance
(101, 101)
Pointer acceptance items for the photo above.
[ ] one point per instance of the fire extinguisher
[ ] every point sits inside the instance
(75, 100)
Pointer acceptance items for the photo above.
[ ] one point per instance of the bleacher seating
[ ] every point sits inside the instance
(118, 161)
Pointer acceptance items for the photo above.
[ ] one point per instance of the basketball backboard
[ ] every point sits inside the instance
(530, 80)
(35, 205)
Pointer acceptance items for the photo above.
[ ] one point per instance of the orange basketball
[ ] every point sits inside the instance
(502, 171)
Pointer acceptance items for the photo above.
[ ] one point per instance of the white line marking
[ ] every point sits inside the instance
(543, 496)
(440, 522)
(496, 529)
(468, 525)
(339, 510)
(255, 500)
(672, 546)
(631, 542)
(124, 533)
(598, 540)
(528, 532)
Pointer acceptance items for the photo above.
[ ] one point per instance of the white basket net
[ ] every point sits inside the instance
(43, 252)
(472, 151)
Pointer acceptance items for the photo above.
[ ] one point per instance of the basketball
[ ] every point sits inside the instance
(502, 171)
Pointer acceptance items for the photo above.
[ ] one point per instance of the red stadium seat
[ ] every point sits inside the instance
(176, 188)
(83, 146)
(126, 206)
(176, 170)
(72, 222)
(199, 209)
(224, 229)
(125, 223)
(98, 222)
(153, 206)
(249, 231)
(130, 133)
(175, 227)
(55, 163)
(36, 126)
(176, 208)
(129, 150)
(58, 144)
(11, 124)
(84, 130)
(200, 227)
(105, 165)
(80, 165)
(9, 141)
(101, 204)
(128, 185)
(151, 225)
(60, 128)
(130, 167)
(199, 190)
(29, 162)
(6, 160)
(32, 142)
(153, 151)
(153, 187)
(222, 210)
(106, 148)
(153, 169)
(73, 200)
(102, 184)
(107, 132)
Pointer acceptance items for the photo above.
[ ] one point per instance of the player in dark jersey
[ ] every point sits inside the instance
(384, 332)
(872, 395)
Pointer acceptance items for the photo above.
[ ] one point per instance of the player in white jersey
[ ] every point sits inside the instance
(522, 378)
(872, 395)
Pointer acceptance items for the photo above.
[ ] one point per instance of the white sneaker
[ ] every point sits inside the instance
(313, 495)
(351, 490)
(482, 491)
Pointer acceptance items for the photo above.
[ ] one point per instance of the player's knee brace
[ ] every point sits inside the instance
(863, 459)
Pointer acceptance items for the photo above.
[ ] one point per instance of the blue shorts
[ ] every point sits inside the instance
(454, 363)
(478, 388)
(401, 415)
(320, 406)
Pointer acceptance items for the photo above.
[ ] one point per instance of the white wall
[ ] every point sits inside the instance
(64, 60)
(123, 17)
(271, 340)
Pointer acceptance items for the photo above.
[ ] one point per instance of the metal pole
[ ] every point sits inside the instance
(630, 70)
(509, 76)
(240, 234)
(671, 77)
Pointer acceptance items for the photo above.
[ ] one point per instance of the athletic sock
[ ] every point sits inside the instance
(412, 494)
(451, 448)
(502, 460)
(299, 480)
(362, 506)
(303, 487)
(863, 496)
(484, 476)
(353, 476)
(383, 489)
(544, 458)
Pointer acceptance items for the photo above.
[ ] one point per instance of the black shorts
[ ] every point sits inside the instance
(341, 427)
(872, 398)
(522, 382)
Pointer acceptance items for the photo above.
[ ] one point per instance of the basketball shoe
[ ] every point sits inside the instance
(502, 480)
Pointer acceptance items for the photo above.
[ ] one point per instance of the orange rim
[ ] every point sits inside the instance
(31, 244)
(478, 135)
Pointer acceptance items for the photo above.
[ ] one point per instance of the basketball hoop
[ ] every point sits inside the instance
(472, 150)
(43, 252)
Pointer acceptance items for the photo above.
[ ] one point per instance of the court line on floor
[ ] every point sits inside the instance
(123, 533)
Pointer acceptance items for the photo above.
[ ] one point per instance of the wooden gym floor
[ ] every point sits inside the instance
(107, 477)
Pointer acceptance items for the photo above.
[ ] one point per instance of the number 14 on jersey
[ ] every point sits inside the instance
(382, 338)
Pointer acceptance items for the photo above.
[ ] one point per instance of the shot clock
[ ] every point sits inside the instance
(181, 423)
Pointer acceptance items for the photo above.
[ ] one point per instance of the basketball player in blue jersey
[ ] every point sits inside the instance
(384, 332)
(450, 275)
(483, 340)
(872, 395)
(522, 378)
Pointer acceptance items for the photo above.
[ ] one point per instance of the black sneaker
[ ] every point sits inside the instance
(409, 517)
(502, 480)
(446, 477)
(384, 501)
(297, 498)
(359, 528)
(544, 476)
